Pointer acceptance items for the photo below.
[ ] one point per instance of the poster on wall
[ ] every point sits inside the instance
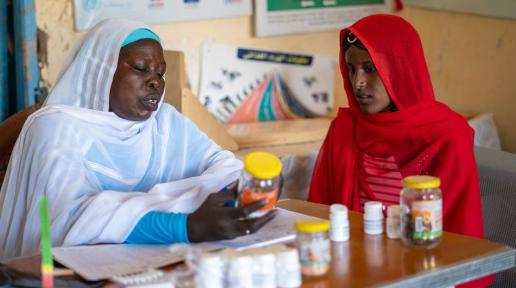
(88, 12)
(273, 17)
(248, 85)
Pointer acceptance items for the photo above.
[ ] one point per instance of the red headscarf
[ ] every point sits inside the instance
(363, 154)
(423, 137)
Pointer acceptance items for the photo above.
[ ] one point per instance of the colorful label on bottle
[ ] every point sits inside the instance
(427, 219)
(249, 196)
(315, 253)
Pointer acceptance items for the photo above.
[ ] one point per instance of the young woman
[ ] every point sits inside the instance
(116, 164)
(394, 128)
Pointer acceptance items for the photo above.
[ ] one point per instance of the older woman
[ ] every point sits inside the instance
(117, 164)
(394, 128)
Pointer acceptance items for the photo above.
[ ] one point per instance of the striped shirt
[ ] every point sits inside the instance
(383, 179)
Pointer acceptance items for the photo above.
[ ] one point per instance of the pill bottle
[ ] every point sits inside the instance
(239, 272)
(264, 270)
(313, 244)
(373, 218)
(421, 211)
(211, 271)
(288, 270)
(260, 180)
(339, 223)
(392, 225)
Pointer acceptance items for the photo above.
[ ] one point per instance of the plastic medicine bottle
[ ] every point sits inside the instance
(314, 247)
(421, 211)
(339, 223)
(373, 218)
(288, 270)
(392, 225)
(260, 180)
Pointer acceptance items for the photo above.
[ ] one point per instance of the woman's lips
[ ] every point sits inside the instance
(151, 103)
(364, 99)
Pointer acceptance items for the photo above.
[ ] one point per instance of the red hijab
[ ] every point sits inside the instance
(424, 137)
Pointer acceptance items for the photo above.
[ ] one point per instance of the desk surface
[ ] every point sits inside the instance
(378, 261)
(367, 260)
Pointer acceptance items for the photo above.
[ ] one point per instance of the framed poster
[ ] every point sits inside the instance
(273, 17)
(89, 12)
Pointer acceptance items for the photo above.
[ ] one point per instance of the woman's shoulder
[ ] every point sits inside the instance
(50, 123)
(455, 124)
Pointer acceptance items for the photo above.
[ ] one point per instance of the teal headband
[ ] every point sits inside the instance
(139, 34)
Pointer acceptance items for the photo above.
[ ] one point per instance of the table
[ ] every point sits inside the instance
(367, 260)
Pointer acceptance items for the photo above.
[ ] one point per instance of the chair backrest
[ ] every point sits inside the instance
(9, 131)
(497, 171)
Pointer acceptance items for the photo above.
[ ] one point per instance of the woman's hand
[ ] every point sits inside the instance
(212, 221)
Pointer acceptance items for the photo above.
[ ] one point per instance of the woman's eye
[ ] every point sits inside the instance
(139, 69)
(369, 69)
(351, 70)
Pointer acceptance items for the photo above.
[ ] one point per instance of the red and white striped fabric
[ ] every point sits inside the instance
(383, 180)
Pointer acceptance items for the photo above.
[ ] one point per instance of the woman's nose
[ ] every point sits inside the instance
(360, 81)
(154, 82)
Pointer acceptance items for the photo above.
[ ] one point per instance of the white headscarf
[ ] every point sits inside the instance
(102, 173)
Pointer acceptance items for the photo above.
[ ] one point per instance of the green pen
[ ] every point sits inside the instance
(47, 264)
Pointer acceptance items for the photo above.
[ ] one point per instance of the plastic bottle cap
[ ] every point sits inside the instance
(393, 211)
(339, 210)
(211, 262)
(421, 182)
(373, 210)
(211, 271)
(262, 165)
(312, 226)
(264, 263)
(239, 262)
(288, 260)
(238, 270)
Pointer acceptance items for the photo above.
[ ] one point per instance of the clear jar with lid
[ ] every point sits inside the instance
(313, 245)
(421, 211)
(260, 179)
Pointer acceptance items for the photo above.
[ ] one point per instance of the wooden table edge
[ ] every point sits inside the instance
(449, 275)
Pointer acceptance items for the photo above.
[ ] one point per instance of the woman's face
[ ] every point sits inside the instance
(138, 83)
(368, 88)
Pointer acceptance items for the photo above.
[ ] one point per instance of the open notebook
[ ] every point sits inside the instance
(95, 262)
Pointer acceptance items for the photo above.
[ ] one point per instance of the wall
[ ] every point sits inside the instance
(56, 18)
(503, 8)
(470, 57)
(472, 61)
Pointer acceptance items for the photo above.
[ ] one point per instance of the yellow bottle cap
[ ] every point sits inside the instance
(421, 182)
(262, 165)
(312, 226)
